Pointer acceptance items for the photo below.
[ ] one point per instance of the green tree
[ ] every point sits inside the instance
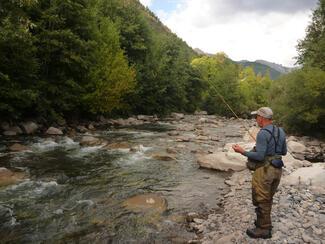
(221, 75)
(111, 77)
(18, 63)
(312, 48)
(298, 100)
(62, 30)
(253, 89)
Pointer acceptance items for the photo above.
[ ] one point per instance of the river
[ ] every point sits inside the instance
(74, 194)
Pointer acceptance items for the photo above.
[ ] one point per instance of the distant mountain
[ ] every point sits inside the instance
(261, 69)
(200, 52)
(260, 66)
(282, 69)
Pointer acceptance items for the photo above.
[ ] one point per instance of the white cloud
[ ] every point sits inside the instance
(214, 26)
(146, 3)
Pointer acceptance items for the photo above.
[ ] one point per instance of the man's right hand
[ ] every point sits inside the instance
(238, 149)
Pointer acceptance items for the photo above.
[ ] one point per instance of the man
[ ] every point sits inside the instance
(270, 145)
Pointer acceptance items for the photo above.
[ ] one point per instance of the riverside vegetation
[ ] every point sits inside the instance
(63, 60)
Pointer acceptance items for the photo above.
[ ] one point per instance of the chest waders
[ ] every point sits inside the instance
(265, 181)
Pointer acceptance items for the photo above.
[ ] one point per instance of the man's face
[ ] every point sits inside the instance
(259, 121)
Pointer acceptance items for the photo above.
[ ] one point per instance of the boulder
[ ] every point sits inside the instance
(18, 148)
(313, 176)
(91, 127)
(177, 116)
(296, 147)
(223, 161)
(29, 127)
(90, 141)
(54, 131)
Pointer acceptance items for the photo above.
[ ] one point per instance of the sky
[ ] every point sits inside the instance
(243, 29)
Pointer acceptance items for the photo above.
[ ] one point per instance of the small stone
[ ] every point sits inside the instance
(307, 238)
(198, 221)
(317, 231)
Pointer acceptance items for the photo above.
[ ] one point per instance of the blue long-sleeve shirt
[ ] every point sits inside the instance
(263, 148)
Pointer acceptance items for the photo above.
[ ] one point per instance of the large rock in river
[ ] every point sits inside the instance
(223, 161)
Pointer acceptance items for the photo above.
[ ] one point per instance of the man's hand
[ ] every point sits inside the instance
(238, 149)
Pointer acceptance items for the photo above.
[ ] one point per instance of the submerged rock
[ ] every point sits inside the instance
(163, 157)
(7, 177)
(146, 202)
(118, 145)
(18, 147)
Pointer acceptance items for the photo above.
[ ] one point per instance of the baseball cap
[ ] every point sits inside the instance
(264, 112)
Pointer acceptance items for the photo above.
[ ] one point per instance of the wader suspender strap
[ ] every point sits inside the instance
(272, 135)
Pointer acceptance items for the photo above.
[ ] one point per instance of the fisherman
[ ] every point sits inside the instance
(265, 160)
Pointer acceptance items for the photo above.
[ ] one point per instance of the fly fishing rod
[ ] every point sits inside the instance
(228, 106)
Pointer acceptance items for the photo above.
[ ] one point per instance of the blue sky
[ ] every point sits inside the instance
(165, 5)
(243, 29)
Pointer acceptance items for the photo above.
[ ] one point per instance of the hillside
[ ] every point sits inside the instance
(261, 69)
(282, 69)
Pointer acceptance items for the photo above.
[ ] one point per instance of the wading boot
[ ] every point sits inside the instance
(259, 233)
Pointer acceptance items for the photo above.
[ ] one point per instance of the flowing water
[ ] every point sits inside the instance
(75, 194)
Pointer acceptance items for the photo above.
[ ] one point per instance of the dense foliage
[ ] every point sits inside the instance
(63, 58)
(221, 76)
(299, 97)
(67, 59)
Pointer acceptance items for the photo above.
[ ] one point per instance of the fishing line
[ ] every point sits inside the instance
(229, 107)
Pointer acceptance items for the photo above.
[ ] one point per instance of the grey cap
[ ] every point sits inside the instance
(264, 112)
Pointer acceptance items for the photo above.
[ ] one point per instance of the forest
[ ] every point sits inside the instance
(63, 60)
